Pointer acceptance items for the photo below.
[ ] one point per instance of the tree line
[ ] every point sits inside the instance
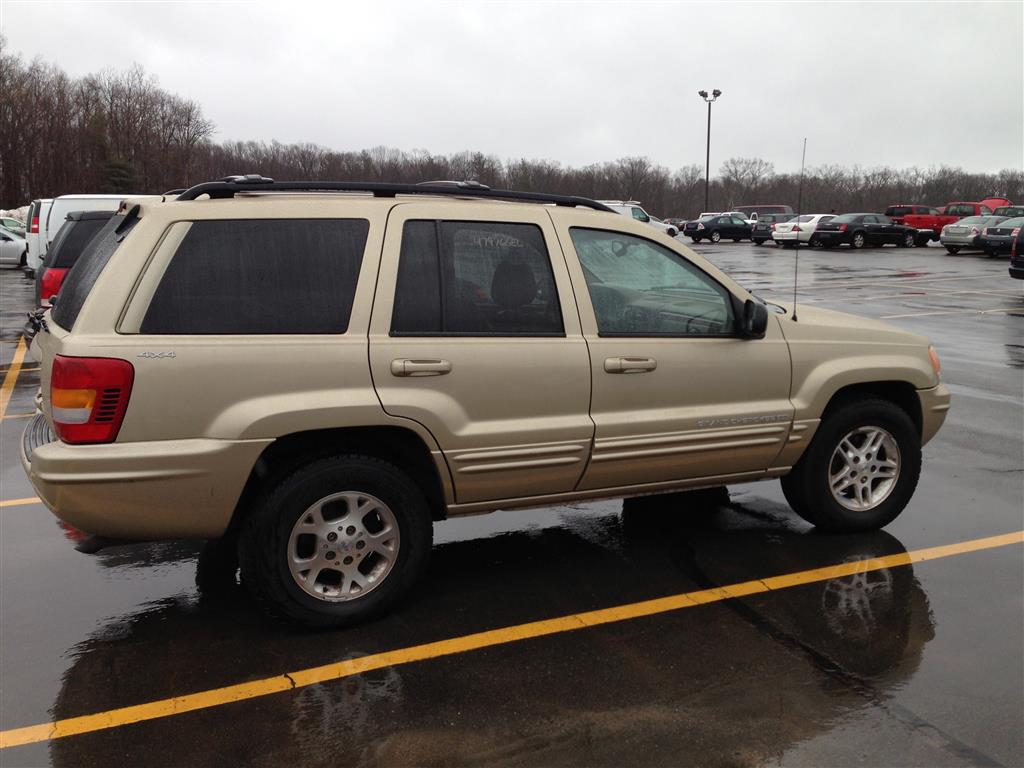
(120, 132)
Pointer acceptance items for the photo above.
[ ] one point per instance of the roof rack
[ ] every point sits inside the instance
(231, 185)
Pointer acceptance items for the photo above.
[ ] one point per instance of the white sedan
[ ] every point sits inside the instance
(799, 229)
(12, 248)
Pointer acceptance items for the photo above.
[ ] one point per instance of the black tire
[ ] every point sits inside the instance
(758, 242)
(807, 487)
(858, 240)
(263, 545)
(953, 250)
(695, 239)
(716, 236)
(24, 258)
(672, 233)
(909, 240)
(736, 239)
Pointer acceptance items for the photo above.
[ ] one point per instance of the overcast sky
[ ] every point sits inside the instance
(923, 83)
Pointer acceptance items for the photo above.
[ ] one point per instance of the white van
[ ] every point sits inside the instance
(51, 219)
(36, 221)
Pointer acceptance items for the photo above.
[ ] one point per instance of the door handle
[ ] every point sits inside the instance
(420, 367)
(630, 364)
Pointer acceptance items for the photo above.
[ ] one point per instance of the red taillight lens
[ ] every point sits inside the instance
(796, 228)
(35, 225)
(51, 283)
(842, 227)
(974, 231)
(773, 227)
(700, 226)
(1015, 232)
(89, 397)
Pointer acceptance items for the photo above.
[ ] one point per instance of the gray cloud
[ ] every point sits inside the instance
(868, 83)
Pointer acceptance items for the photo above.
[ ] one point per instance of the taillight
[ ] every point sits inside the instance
(842, 227)
(700, 226)
(974, 231)
(89, 397)
(773, 227)
(796, 228)
(51, 283)
(35, 225)
(1016, 231)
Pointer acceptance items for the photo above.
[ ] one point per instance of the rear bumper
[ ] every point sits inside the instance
(934, 407)
(1017, 272)
(169, 489)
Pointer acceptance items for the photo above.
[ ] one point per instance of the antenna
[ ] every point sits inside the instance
(799, 209)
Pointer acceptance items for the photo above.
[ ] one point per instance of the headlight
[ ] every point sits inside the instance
(934, 357)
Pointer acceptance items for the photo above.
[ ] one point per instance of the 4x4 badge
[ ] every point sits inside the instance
(154, 355)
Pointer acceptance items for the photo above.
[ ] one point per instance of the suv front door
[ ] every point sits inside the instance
(677, 394)
(475, 335)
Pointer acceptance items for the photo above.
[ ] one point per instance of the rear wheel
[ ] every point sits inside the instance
(716, 236)
(909, 240)
(24, 258)
(858, 241)
(859, 471)
(337, 542)
(758, 242)
(953, 250)
(695, 239)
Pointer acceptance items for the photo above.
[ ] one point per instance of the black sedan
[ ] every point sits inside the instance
(762, 231)
(715, 227)
(996, 240)
(860, 229)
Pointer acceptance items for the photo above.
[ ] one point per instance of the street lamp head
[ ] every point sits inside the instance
(703, 94)
(716, 93)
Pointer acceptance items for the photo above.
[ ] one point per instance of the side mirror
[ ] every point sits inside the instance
(755, 320)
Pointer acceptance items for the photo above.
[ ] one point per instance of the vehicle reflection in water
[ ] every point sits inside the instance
(731, 683)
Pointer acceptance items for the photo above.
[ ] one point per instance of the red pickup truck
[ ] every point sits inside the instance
(929, 221)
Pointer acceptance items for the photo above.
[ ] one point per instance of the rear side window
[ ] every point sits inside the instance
(474, 278)
(260, 276)
(83, 275)
(69, 245)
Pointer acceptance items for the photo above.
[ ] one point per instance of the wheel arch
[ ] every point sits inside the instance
(397, 445)
(902, 394)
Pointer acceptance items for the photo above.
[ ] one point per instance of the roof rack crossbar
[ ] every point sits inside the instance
(229, 188)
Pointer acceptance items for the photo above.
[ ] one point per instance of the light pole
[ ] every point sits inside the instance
(707, 160)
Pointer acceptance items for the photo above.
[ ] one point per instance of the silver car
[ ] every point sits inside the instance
(12, 248)
(966, 233)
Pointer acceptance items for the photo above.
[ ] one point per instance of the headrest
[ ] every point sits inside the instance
(513, 285)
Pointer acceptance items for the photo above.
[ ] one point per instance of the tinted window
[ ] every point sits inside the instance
(883, 220)
(260, 276)
(639, 215)
(468, 278)
(901, 210)
(83, 275)
(71, 241)
(640, 288)
(847, 218)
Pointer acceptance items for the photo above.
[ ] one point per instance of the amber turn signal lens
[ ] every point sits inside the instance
(936, 365)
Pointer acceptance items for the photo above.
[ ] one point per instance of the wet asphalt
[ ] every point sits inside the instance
(914, 665)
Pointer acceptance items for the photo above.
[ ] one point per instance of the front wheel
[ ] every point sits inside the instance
(24, 258)
(909, 240)
(337, 542)
(716, 236)
(695, 239)
(858, 241)
(859, 471)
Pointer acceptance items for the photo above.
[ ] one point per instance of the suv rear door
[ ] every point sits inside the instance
(476, 336)
(677, 394)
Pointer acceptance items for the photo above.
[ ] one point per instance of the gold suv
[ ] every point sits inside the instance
(315, 372)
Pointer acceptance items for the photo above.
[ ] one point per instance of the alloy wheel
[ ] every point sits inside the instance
(864, 469)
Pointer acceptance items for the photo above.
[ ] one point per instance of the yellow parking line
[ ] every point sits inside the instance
(11, 377)
(216, 697)
(21, 502)
(18, 415)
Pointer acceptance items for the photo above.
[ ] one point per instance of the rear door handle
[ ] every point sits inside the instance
(630, 364)
(420, 367)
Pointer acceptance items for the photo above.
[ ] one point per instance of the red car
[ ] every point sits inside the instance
(926, 220)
